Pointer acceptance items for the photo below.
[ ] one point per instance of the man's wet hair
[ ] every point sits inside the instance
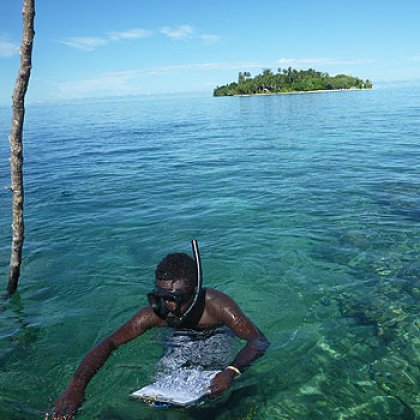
(177, 266)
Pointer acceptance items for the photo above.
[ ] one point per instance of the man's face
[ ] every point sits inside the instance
(180, 287)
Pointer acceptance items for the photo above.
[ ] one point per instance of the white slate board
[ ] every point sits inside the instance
(182, 387)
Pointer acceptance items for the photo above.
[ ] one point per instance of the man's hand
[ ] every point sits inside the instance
(66, 405)
(221, 382)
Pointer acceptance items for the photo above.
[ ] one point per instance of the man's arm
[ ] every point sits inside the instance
(227, 312)
(73, 396)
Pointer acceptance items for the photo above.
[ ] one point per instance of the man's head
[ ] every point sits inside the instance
(177, 268)
(175, 282)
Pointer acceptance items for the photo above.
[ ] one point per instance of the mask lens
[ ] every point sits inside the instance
(158, 297)
(154, 300)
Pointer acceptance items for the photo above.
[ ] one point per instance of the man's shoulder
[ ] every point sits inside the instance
(216, 298)
(215, 294)
(221, 309)
(147, 317)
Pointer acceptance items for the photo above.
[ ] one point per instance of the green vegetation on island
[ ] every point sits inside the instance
(289, 81)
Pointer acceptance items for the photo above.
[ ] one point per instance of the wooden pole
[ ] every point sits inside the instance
(16, 143)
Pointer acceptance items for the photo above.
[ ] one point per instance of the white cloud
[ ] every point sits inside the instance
(90, 43)
(85, 43)
(8, 49)
(181, 32)
(318, 61)
(131, 82)
(203, 66)
(210, 38)
(103, 84)
(188, 31)
(136, 33)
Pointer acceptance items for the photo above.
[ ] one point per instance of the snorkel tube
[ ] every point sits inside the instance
(197, 289)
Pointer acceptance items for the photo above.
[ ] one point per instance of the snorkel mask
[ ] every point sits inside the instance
(158, 296)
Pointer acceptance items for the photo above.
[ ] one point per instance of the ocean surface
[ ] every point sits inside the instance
(307, 211)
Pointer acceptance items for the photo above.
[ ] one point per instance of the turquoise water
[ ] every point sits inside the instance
(307, 211)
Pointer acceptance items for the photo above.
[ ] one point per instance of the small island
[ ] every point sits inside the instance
(289, 81)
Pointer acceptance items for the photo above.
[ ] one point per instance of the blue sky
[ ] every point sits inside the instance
(102, 48)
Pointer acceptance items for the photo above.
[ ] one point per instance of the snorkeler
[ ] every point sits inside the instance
(178, 301)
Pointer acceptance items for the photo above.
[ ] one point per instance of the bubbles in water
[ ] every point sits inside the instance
(209, 349)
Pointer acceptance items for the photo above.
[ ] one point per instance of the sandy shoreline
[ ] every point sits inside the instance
(299, 92)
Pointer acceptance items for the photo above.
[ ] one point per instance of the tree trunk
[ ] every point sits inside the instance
(16, 144)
